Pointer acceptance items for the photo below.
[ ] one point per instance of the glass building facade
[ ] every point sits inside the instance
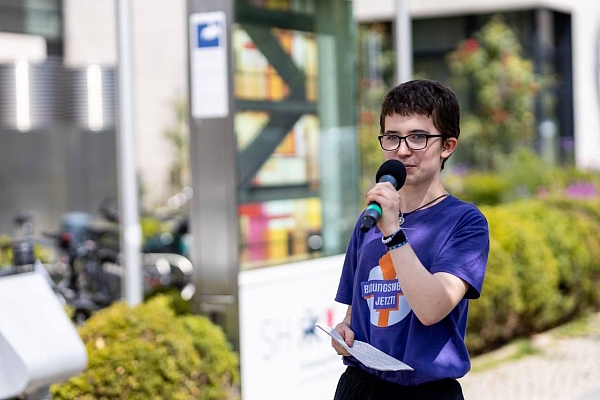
(294, 125)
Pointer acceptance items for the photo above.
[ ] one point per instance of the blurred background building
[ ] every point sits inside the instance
(562, 38)
(68, 51)
(294, 130)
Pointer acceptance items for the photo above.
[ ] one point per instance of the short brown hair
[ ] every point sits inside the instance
(424, 97)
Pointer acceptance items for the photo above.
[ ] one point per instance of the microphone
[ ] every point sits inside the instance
(392, 171)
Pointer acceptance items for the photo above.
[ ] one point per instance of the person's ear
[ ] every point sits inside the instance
(448, 147)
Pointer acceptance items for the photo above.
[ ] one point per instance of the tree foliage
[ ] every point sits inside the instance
(503, 85)
(375, 74)
(178, 135)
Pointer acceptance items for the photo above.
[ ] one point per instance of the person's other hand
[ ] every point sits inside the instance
(345, 332)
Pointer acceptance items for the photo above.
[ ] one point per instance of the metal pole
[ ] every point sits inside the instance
(214, 220)
(403, 33)
(131, 233)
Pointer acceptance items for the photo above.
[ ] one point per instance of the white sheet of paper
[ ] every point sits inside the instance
(367, 354)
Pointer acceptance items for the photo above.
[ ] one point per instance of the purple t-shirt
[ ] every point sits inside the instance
(451, 236)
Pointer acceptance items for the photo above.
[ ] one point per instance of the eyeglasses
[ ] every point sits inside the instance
(416, 141)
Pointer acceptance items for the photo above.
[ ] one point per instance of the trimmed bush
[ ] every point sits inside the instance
(534, 265)
(479, 188)
(543, 269)
(575, 243)
(589, 209)
(219, 364)
(147, 352)
(495, 316)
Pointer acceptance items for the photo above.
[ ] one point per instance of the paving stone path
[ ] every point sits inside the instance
(566, 368)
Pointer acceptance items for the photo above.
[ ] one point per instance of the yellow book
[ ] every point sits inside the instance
(278, 243)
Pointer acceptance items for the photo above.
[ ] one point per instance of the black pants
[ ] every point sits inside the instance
(356, 384)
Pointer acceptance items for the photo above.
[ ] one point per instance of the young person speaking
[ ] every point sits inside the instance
(408, 280)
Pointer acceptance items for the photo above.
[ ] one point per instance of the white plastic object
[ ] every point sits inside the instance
(39, 345)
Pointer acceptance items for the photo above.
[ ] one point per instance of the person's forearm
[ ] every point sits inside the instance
(431, 297)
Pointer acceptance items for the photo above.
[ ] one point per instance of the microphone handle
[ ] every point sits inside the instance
(372, 215)
(373, 211)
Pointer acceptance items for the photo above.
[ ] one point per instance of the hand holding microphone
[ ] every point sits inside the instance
(392, 171)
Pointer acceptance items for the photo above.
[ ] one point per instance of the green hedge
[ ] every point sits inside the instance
(575, 243)
(520, 175)
(148, 352)
(543, 269)
(479, 188)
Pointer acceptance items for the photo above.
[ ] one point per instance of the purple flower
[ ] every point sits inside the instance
(582, 190)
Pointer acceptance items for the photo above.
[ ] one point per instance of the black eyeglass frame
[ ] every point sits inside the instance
(427, 136)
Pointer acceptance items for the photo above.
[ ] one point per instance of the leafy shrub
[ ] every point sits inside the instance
(534, 265)
(219, 364)
(42, 253)
(526, 172)
(575, 244)
(177, 304)
(147, 352)
(520, 175)
(560, 179)
(588, 209)
(588, 213)
(479, 188)
(5, 251)
(543, 269)
(150, 227)
(494, 317)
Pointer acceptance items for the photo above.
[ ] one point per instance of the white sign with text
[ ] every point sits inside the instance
(282, 354)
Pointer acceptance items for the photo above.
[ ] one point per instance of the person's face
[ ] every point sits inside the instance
(422, 166)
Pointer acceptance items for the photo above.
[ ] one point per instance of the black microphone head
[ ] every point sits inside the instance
(394, 168)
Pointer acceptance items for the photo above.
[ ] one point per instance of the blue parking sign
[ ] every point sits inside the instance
(209, 67)
(209, 34)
